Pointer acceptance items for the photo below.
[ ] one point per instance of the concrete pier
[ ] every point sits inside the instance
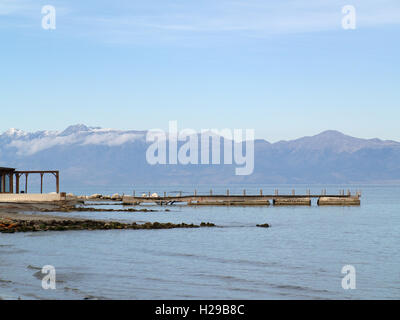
(292, 201)
(339, 201)
(245, 199)
(230, 203)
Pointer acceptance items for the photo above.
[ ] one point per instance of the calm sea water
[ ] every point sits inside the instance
(300, 257)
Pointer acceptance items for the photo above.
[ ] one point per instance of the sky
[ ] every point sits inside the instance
(283, 68)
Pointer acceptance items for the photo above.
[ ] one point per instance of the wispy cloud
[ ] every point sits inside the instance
(172, 21)
(111, 138)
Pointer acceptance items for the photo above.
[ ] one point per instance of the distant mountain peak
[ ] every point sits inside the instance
(75, 129)
(334, 141)
(331, 133)
(15, 132)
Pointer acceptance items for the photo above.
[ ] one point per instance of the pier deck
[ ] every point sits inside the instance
(242, 200)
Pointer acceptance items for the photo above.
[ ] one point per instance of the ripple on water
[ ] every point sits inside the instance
(301, 256)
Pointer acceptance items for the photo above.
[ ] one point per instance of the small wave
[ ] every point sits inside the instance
(39, 234)
(299, 288)
(84, 295)
(218, 259)
(5, 284)
(291, 287)
(225, 278)
(33, 267)
(12, 250)
(38, 275)
(5, 281)
(247, 290)
(9, 297)
(71, 289)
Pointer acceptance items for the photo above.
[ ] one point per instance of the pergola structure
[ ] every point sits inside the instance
(7, 179)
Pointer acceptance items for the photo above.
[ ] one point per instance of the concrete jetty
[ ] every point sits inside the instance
(293, 201)
(195, 199)
(339, 201)
(247, 200)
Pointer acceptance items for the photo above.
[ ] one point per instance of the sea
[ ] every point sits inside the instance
(305, 254)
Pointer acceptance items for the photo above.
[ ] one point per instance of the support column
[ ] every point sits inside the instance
(58, 181)
(26, 182)
(17, 182)
(11, 183)
(41, 183)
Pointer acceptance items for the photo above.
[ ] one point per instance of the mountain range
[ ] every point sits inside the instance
(96, 156)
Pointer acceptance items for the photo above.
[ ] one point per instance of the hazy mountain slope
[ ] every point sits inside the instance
(104, 156)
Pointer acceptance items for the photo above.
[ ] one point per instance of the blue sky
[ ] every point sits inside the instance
(284, 68)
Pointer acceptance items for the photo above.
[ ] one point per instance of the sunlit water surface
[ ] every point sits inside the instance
(300, 257)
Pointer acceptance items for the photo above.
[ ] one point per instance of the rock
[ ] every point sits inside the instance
(116, 196)
(265, 225)
(61, 225)
(207, 224)
(95, 196)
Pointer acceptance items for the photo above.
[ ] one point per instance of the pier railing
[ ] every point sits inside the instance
(343, 198)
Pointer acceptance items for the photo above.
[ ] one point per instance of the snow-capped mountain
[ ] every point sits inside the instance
(93, 155)
(26, 144)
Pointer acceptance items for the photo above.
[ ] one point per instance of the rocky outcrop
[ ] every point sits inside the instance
(265, 225)
(94, 196)
(11, 226)
(116, 197)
